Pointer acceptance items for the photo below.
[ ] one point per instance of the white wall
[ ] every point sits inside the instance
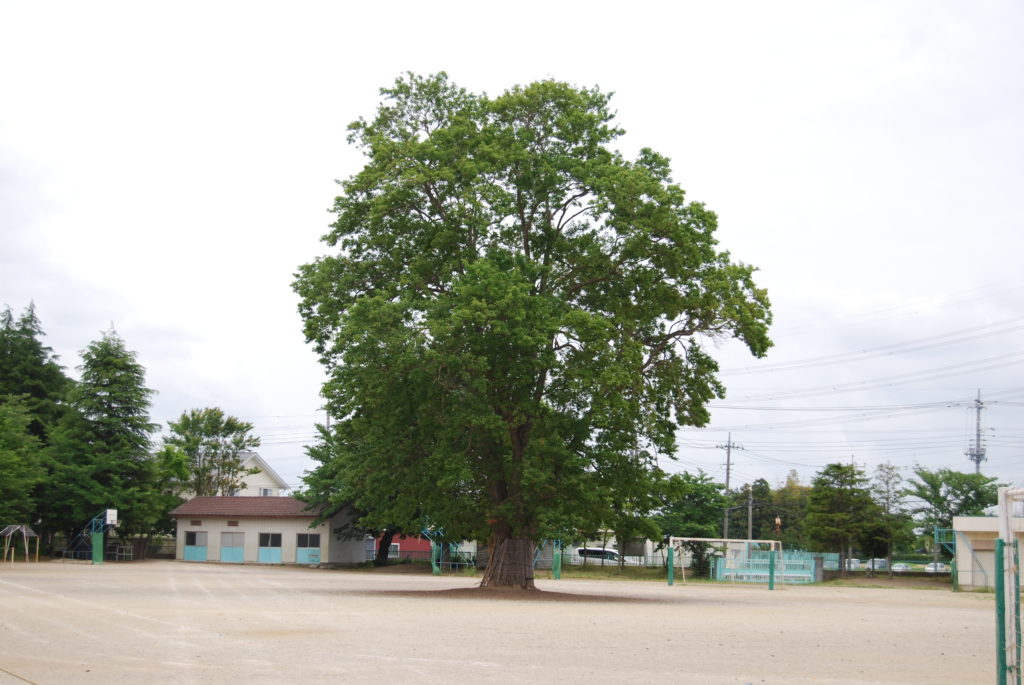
(342, 551)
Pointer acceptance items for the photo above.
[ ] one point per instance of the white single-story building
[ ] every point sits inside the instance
(260, 530)
(975, 548)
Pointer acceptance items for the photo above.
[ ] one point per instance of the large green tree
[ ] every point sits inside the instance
(692, 508)
(839, 508)
(893, 526)
(514, 311)
(30, 371)
(21, 463)
(789, 504)
(100, 451)
(945, 493)
(213, 445)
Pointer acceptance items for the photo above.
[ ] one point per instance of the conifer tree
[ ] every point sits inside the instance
(30, 370)
(101, 451)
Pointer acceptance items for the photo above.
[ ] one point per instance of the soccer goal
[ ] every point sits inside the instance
(1007, 583)
(736, 559)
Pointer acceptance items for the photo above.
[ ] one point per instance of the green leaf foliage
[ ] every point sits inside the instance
(21, 462)
(839, 507)
(30, 370)
(513, 315)
(693, 507)
(100, 451)
(945, 493)
(211, 446)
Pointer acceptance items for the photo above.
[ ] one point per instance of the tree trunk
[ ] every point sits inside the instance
(509, 563)
(384, 547)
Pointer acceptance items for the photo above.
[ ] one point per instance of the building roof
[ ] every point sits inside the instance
(985, 524)
(245, 507)
(254, 460)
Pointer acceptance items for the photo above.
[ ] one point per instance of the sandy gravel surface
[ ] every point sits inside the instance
(172, 622)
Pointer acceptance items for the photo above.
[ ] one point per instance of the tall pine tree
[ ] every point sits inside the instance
(101, 452)
(30, 371)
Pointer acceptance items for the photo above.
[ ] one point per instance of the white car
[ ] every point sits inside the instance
(900, 567)
(936, 568)
(598, 556)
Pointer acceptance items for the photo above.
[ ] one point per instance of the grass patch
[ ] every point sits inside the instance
(598, 572)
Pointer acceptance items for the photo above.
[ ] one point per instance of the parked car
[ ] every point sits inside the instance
(900, 567)
(602, 556)
(936, 567)
(853, 564)
(595, 555)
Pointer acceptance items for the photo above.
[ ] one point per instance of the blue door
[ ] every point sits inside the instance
(195, 545)
(232, 548)
(307, 548)
(270, 548)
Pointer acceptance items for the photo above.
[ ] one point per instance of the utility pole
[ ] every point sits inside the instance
(977, 453)
(729, 446)
(750, 512)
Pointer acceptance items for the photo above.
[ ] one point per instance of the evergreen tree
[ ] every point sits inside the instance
(101, 451)
(21, 463)
(30, 370)
(839, 508)
(893, 526)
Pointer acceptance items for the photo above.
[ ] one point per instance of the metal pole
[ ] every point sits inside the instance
(671, 567)
(771, 570)
(1000, 616)
(750, 512)
(556, 562)
(1016, 612)
(728, 464)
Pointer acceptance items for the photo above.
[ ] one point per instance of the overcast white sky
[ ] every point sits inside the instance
(166, 168)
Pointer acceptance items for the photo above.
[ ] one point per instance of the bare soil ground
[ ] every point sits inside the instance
(175, 622)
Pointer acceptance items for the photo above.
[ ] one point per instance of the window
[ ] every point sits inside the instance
(232, 523)
(195, 538)
(232, 539)
(195, 523)
(308, 540)
(270, 539)
(266, 492)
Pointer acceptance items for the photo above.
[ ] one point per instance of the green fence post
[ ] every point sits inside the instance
(956, 577)
(97, 548)
(556, 561)
(771, 570)
(671, 567)
(1000, 616)
(1016, 602)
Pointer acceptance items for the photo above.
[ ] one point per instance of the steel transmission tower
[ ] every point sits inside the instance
(977, 453)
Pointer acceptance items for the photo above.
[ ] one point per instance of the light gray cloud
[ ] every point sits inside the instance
(168, 172)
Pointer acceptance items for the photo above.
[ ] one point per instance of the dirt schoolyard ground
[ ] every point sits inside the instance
(175, 622)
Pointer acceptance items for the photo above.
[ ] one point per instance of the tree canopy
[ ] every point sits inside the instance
(514, 315)
(30, 370)
(21, 463)
(945, 493)
(100, 452)
(839, 507)
(212, 444)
